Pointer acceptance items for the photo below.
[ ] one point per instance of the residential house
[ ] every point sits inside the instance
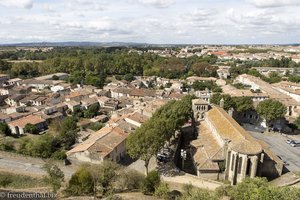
(59, 76)
(14, 81)
(3, 78)
(73, 105)
(86, 103)
(190, 80)
(17, 126)
(136, 119)
(142, 93)
(106, 144)
(267, 70)
(14, 100)
(289, 88)
(120, 92)
(293, 107)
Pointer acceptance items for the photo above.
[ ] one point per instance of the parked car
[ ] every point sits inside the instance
(295, 144)
(290, 141)
(161, 157)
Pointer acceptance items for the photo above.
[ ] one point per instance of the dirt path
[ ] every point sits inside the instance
(19, 164)
(194, 180)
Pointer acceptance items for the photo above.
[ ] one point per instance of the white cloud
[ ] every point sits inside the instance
(185, 21)
(274, 3)
(158, 3)
(87, 5)
(28, 4)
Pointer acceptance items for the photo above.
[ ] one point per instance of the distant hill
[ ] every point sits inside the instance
(87, 44)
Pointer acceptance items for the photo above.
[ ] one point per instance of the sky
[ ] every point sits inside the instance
(151, 21)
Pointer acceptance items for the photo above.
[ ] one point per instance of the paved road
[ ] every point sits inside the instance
(30, 166)
(279, 146)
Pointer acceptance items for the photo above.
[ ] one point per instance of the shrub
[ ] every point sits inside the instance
(7, 145)
(29, 128)
(151, 182)
(55, 177)
(129, 180)
(4, 129)
(5, 180)
(162, 191)
(95, 126)
(12, 180)
(81, 183)
(199, 194)
(59, 155)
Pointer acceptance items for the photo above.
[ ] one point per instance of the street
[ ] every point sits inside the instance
(14, 163)
(278, 145)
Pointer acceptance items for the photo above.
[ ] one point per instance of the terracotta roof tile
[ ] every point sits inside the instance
(31, 119)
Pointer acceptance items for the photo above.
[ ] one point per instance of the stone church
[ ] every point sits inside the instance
(223, 149)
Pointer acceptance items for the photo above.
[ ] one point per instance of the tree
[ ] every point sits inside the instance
(228, 101)
(148, 140)
(202, 85)
(171, 68)
(274, 77)
(144, 143)
(29, 128)
(297, 122)
(92, 111)
(4, 129)
(204, 69)
(54, 177)
(271, 109)
(128, 77)
(68, 132)
(243, 104)
(94, 80)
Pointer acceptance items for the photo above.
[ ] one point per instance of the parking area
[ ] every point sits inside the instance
(278, 144)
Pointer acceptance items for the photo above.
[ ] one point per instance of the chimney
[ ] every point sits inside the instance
(222, 103)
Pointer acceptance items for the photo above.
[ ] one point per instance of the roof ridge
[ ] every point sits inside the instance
(221, 148)
(206, 156)
(229, 121)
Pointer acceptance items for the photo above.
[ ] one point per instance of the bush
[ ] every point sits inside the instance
(7, 145)
(199, 194)
(81, 183)
(59, 155)
(96, 126)
(55, 177)
(151, 182)
(5, 180)
(129, 180)
(29, 128)
(106, 175)
(4, 129)
(162, 191)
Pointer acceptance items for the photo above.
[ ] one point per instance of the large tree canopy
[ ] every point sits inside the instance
(147, 140)
(271, 109)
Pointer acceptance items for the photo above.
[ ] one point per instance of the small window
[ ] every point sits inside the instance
(240, 165)
(232, 162)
